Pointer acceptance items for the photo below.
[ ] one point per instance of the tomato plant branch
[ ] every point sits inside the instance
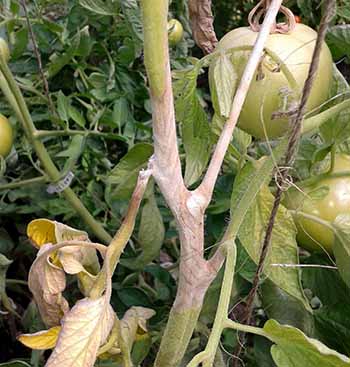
(15, 98)
(289, 158)
(206, 188)
(121, 238)
(54, 133)
(17, 184)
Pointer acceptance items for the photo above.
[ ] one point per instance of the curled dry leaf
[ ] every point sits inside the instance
(73, 259)
(42, 340)
(84, 329)
(202, 25)
(47, 282)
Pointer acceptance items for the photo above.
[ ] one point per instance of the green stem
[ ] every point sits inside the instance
(39, 134)
(222, 310)
(315, 179)
(17, 184)
(229, 324)
(312, 123)
(12, 91)
(179, 329)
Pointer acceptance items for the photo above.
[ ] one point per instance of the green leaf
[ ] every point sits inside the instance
(76, 116)
(63, 105)
(73, 153)
(326, 284)
(338, 39)
(341, 247)
(248, 184)
(121, 112)
(283, 247)
(151, 233)
(100, 7)
(295, 349)
(123, 177)
(225, 80)
(333, 327)
(280, 306)
(196, 132)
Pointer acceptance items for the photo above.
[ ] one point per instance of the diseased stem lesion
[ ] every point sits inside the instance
(188, 207)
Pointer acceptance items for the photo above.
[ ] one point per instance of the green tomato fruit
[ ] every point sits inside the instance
(175, 32)
(4, 50)
(6, 136)
(270, 92)
(325, 199)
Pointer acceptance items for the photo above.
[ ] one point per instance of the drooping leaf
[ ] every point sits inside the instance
(123, 177)
(73, 259)
(295, 349)
(134, 322)
(84, 329)
(42, 340)
(283, 248)
(47, 282)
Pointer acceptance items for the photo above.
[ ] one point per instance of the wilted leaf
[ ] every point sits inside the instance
(43, 231)
(42, 340)
(295, 349)
(47, 282)
(134, 319)
(84, 329)
(73, 259)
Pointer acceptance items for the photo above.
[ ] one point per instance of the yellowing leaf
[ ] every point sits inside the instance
(73, 259)
(45, 339)
(84, 329)
(134, 319)
(47, 282)
(41, 231)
